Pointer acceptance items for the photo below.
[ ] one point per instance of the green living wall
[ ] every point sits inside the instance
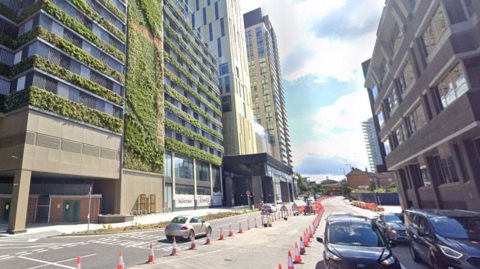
(144, 109)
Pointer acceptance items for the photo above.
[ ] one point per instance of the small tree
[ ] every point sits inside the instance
(393, 186)
(373, 185)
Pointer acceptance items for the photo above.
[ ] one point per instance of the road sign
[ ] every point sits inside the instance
(265, 211)
(294, 207)
(284, 208)
(248, 192)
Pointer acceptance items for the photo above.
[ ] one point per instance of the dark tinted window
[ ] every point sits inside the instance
(356, 234)
(393, 218)
(457, 227)
(179, 220)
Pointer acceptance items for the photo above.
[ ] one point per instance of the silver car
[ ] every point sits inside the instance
(270, 207)
(187, 227)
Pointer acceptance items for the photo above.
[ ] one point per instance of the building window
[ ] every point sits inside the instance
(260, 42)
(197, 4)
(386, 145)
(451, 87)
(463, 167)
(220, 85)
(223, 69)
(459, 10)
(226, 104)
(216, 175)
(222, 27)
(208, 2)
(395, 39)
(416, 120)
(204, 16)
(227, 84)
(236, 72)
(258, 30)
(168, 164)
(203, 173)
(219, 45)
(398, 136)
(435, 30)
(183, 167)
(472, 66)
(244, 111)
(449, 171)
(380, 118)
(374, 92)
(216, 11)
(392, 99)
(406, 77)
(184, 190)
(193, 21)
(211, 31)
(261, 52)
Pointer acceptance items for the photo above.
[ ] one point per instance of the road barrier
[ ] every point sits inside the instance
(79, 264)
(151, 257)
(240, 228)
(298, 259)
(174, 248)
(290, 262)
(305, 242)
(256, 223)
(370, 206)
(230, 233)
(302, 246)
(120, 261)
(193, 246)
(248, 224)
(221, 234)
(208, 238)
(310, 231)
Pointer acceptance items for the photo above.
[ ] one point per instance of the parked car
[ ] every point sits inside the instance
(187, 227)
(393, 227)
(356, 242)
(444, 238)
(340, 215)
(270, 207)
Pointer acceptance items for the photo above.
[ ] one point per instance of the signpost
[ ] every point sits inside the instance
(284, 211)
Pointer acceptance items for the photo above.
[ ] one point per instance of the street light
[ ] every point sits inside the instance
(349, 165)
(343, 168)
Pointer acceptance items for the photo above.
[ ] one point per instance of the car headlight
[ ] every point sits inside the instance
(394, 231)
(450, 252)
(388, 261)
(331, 256)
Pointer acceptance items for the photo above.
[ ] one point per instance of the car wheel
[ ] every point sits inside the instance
(169, 238)
(414, 254)
(191, 235)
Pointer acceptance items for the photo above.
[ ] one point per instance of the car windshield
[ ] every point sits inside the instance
(179, 220)
(457, 227)
(393, 218)
(355, 234)
(267, 205)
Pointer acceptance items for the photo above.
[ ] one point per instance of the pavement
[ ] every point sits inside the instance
(48, 230)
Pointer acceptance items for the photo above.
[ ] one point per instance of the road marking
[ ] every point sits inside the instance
(32, 240)
(7, 257)
(23, 253)
(47, 263)
(64, 261)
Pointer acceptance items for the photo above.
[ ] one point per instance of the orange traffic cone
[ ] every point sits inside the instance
(298, 259)
(256, 223)
(221, 234)
(305, 242)
(248, 224)
(193, 246)
(306, 233)
(79, 265)
(174, 249)
(290, 262)
(302, 247)
(151, 257)
(279, 266)
(310, 231)
(230, 233)
(208, 238)
(240, 228)
(120, 261)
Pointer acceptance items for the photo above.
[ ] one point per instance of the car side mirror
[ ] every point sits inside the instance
(392, 244)
(381, 222)
(421, 232)
(319, 240)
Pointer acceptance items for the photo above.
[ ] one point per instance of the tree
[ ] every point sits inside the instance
(302, 186)
(373, 185)
(393, 186)
(346, 189)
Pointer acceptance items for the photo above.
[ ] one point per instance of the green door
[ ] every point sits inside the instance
(71, 211)
(5, 211)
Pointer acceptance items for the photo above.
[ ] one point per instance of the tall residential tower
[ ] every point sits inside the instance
(371, 142)
(266, 83)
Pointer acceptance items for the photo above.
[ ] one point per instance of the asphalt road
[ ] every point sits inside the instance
(255, 248)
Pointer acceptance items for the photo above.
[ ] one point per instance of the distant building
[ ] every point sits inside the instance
(361, 180)
(372, 144)
(332, 186)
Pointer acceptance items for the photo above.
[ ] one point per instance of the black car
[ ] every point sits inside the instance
(356, 242)
(393, 227)
(444, 238)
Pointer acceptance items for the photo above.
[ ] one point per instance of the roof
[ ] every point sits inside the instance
(348, 220)
(446, 212)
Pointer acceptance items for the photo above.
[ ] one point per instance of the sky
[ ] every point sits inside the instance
(322, 44)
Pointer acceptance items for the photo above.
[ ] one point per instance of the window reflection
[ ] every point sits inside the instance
(435, 30)
(452, 86)
(183, 168)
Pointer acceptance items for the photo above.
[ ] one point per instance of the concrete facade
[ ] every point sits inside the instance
(422, 82)
(266, 83)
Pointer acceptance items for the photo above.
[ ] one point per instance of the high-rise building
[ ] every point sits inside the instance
(266, 83)
(120, 100)
(220, 23)
(371, 142)
(422, 82)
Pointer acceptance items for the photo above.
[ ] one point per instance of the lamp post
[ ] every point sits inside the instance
(343, 168)
(349, 165)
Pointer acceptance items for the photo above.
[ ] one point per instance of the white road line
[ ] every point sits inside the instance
(47, 263)
(64, 261)
(22, 253)
(8, 257)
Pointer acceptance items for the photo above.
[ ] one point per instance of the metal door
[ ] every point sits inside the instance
(71, 211)
(5, 211)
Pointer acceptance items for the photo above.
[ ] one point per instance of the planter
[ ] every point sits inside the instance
(114, 219)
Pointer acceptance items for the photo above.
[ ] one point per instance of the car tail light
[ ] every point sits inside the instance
(166, 227)
(184, 228)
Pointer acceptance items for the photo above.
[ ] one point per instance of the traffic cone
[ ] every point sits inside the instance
(79, 265)
(151, 257)
(240, 228)
(302, 247)
(120, 261)
(306, 233)
(275, 216)
(305, 242)
(248, 224)
(279, 266)
(193, 246)
(221, 234)
(310, 230)
(208, 238)
(174, 249)
(298, 259)
(290, 262)
(230, 233)
(256, 223)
